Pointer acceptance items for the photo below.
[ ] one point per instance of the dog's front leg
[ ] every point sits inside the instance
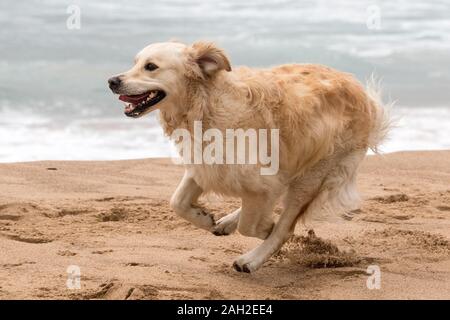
(182, 202)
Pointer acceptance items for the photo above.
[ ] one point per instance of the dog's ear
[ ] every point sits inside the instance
(209, 58)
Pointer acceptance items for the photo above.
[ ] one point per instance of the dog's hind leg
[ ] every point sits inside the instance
(301, 193)
(227, 224)
(283, 229)
(256, 216)
(331, 183)
(182, 202)
(253, 219)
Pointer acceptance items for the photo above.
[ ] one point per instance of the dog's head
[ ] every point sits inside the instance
(164, 72)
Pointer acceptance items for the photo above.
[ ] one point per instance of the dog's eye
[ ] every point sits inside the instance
(151, 66)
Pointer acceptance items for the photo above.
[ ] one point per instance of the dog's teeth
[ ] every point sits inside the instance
(128, 107)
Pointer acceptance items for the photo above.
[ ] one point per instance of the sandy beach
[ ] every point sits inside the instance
(113, 221)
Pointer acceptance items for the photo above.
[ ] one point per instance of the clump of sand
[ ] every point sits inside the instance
(425, 241)
(400, 197)
(314, 252)
(115, 214)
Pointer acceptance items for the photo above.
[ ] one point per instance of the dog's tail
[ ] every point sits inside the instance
(382, 121)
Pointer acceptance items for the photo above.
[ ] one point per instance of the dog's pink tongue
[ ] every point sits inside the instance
(133, 99)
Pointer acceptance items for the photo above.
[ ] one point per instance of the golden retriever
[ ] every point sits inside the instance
(326, 120)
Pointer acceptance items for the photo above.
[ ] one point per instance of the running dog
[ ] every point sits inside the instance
(326, 120)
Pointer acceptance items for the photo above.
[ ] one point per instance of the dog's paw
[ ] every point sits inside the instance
(225, 226)
(246, 263)
(242, 268)
(204, 219)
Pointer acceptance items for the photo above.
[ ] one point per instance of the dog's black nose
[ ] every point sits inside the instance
(114, 83)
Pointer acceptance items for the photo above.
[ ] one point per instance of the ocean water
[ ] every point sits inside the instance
(55, 104)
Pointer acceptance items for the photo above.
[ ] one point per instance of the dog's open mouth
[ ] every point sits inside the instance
(137, 105)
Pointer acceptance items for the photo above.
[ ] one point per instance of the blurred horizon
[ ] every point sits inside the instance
(55, 103)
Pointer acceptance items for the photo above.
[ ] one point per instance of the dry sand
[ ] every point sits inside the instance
(112, 219)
